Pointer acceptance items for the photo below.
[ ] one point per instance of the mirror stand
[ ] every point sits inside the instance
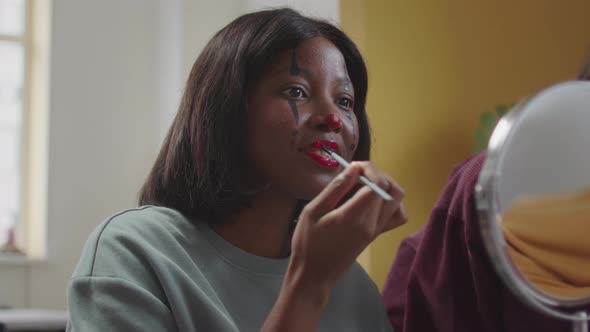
(580, 324)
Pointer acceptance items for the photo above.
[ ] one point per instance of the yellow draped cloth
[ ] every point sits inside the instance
(548, 239)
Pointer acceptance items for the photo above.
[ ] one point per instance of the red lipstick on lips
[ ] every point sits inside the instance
(316, 153)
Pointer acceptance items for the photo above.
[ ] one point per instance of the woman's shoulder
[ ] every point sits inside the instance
(131, 237)
(460, 186)
(149, 224)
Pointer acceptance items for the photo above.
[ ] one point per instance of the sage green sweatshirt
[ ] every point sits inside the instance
(151, 269)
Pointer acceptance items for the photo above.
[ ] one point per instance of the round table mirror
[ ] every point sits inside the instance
(533, 198)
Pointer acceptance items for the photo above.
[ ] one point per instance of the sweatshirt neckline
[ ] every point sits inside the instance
(242, 259)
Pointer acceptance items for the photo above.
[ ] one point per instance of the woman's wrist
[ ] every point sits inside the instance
(300, 303)
(303, 287)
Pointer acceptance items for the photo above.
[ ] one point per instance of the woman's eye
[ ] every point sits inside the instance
(294, 92)
(346, 102)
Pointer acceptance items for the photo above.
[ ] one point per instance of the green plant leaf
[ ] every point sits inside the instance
(487, 123)
(501, 110)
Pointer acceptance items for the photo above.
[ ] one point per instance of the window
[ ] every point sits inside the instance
(13, 83)
(24, 113)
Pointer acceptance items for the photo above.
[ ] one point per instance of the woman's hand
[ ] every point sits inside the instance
(329, 237)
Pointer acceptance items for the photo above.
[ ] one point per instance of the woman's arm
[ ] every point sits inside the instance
(329, 237)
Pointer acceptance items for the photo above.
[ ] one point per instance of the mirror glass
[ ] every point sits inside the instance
(541, 189)
(547, 240)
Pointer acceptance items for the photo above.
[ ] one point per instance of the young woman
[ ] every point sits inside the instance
(245, 223)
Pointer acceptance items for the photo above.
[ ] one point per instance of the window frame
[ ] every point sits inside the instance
(30, 226)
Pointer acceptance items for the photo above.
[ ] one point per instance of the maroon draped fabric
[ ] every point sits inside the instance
(442, 279)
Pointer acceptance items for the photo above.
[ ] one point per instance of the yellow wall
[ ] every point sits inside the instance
(436, 66)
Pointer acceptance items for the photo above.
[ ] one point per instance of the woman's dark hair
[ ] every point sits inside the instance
(584, 73)
(197, 171)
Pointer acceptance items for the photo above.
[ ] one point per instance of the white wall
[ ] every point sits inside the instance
(327, 9)
(117, 73)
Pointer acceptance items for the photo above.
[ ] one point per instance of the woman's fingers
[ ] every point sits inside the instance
(335, 228)
(369, 209)
(401, 217)
(393, 214)
(330, 196)
(354, 219)
(365, 211)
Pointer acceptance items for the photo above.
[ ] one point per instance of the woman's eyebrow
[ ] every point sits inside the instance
(290, 70)
(344, 80)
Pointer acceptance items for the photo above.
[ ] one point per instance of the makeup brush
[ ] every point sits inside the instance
(364, 180)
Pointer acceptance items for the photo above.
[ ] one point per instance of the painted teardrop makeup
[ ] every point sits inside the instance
(294, 70)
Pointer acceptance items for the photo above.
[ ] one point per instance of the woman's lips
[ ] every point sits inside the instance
(322, 160)
(329, 144)
(321, 157)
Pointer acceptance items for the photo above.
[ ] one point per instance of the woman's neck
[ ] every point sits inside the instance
(263, 228)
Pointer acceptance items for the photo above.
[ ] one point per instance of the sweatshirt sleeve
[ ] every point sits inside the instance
(114, 304)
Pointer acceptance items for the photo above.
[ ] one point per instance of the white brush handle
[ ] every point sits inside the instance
(364, 180)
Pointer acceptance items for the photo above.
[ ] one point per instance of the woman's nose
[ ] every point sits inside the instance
(333, 122)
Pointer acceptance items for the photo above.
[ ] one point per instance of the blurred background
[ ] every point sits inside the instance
(88, 89)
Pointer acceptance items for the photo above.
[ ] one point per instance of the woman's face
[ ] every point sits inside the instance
(303, 99)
